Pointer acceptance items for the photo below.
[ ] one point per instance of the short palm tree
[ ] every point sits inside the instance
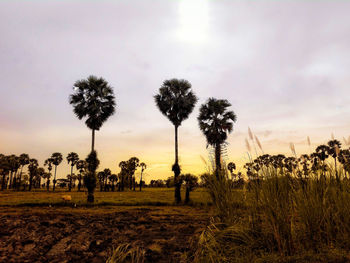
(80, 165)
(123, 172)
(231, 166)
(215, 121)
(72, 159)
(56, 160)
(48, 162)
(143, 167)
(93, 99)
(176, 101)
(23, 160)
(107, 173)
(334, 150)
(33, 168)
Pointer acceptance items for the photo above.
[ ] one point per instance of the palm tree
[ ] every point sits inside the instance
(48, 162)
(33, 168)
(56, 160)
(72, 159)
(113, 178)
(107, 173)
(191, 182)
(40, 173)
(321, 153)
(93, 99)
(176, 101)
(231, 166)
(143, 167)
(5, 169)
(23, 160)
(80, 165)
(123, 172)
(132, 165)
(47, 176)
(334, 150)
(215, 121)
(14, 166)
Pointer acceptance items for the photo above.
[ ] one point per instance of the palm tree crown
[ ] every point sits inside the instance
(176, 100)
(215, 121)
(94, 99)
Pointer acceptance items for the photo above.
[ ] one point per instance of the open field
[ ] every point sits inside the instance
(90, 234)
(148, 196)
(39, 226)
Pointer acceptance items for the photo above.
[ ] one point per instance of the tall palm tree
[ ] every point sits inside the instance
(176, 101)
(23, 160)
(33, 168)
(72, 159)
(215, 121)
(80, 165)
(56, 160)
(48, 162)
(93, 99)
(143, 167)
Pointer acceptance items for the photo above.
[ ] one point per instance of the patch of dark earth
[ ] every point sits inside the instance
(56, 236)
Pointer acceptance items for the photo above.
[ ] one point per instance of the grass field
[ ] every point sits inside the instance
(148, 196)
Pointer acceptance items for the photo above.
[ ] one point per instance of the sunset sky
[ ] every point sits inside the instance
(283, 65)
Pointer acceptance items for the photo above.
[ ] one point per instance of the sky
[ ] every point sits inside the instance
(283, 65)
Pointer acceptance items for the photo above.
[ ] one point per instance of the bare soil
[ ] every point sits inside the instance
(83, 235)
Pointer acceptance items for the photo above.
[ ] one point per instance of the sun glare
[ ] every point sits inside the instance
(193, 21)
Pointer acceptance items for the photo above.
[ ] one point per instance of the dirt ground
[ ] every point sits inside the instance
(89, 235)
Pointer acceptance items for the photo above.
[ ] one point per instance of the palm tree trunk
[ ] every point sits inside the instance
(54, 180)
(217, 159)
(48, 184)
(187, 198)
(176, 169)
(93, 140)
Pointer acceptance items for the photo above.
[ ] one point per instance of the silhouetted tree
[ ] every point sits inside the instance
(122, 174)
(191, 182)
(231, 166)
(107, 173)
(215, 121)
(72, 159)
(23, 160)
(48, 162)
(80, 165)
(5, 169)
(56, 160)
(93, 99)
(32, 168)
(143, 167)
(334, 151)
(176, 101)
(132, 165)
(113, 178)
